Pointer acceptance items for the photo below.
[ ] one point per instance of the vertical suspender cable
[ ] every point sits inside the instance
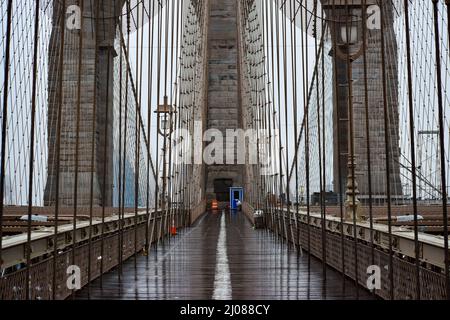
(269, 45)
(280, 143)
(121, 142)
(351, 151)
(275, 178)
(105, 157)
(319, 138)
(6, 71)
(158, 92)
(442, 144)
(58, 143)
(413, 148)
(339, 149)
(150, 212)
(265, 108)
(77, 142)
(32, 148)
(387, 150)
(164, 130)
(178, 116)
(295, 106)
(368, 138)
(172, 120)
(123, 47)
(305, 58)
(286, 111)
(137, 129)
(94, 126)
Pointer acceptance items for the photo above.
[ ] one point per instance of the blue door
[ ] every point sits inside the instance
(236, 194)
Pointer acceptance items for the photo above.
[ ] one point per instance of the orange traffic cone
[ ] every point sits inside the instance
(173, 229)
(215, 205)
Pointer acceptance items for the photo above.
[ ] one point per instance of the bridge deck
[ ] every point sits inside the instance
(260, 266)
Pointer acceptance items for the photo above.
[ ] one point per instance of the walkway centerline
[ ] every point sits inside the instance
(222, 282)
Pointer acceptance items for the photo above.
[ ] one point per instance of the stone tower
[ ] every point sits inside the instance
(97, 49)
(223, 109)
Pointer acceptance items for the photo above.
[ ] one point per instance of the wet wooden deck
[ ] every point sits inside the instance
(260, 267)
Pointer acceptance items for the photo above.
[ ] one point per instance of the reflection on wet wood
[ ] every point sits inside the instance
(261, 266)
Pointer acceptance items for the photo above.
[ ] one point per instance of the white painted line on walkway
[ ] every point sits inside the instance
(222, 279)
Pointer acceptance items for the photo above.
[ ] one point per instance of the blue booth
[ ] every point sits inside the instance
(236, 193)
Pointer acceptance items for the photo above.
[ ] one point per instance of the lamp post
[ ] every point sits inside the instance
(165, 129)
(302, 194)
(348, 38)
(423, 136)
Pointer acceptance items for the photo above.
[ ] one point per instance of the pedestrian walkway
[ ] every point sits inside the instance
(223, 257)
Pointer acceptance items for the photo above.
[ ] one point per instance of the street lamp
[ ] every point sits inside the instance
(165, 113)
(302, 193)
(165, 129)
(347, 20)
